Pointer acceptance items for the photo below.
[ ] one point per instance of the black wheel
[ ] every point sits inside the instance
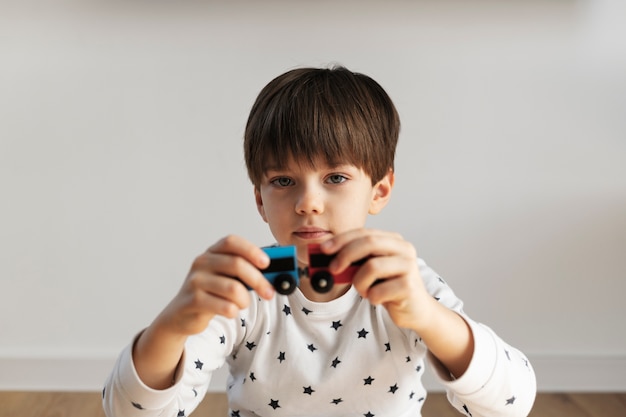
(322, 281)
(284, 284)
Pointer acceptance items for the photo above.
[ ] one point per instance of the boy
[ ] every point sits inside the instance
(319, 149)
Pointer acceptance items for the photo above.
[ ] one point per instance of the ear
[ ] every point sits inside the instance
(381, 192)
(259, 203)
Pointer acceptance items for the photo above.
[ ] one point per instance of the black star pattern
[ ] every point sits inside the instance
(274, 404)
(467, 411)
(308, 390)
(104, 390)
(510, 401)
(506, 352)
(287, 310)
(441, 280)
(137, 406)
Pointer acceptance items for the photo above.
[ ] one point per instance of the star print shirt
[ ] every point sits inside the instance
(293, 357)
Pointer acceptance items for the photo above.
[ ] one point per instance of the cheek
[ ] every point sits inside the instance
(275, 213)
(353, 211)
(272, 207)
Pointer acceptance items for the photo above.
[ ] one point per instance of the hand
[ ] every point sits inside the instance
(210, 288)
(390, 277)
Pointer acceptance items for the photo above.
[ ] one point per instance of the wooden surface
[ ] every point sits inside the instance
(68, 404)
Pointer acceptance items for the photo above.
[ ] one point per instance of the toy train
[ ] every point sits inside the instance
(283, 271)
(284, 274)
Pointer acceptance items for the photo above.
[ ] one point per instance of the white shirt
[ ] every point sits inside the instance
(293, 357)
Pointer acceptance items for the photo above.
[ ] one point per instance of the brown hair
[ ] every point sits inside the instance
(332, 114)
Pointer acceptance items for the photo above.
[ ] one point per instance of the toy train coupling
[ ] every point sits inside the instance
(303, 272)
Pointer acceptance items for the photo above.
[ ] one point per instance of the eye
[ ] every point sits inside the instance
(336, 179)
(282, 181)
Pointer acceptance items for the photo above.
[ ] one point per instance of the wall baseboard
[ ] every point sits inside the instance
(554, 374)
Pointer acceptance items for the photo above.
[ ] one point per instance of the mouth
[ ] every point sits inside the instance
(311, 233)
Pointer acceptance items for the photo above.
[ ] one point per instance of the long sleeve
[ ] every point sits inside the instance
(499, 381)
(125, 395)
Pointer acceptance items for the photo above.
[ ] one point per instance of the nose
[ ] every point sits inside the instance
(310, 200)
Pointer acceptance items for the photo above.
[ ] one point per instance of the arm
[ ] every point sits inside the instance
(449, 338)
(150, 367)
(499, 379)
(477, 368)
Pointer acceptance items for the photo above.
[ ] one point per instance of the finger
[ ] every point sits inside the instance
(394, 289)
(217, 288)
(211, 303)
(337, 242)
(377, 271)
(239, 246)
(368, 244)
(236, 267)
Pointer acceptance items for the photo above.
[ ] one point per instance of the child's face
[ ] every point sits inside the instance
(305, 205)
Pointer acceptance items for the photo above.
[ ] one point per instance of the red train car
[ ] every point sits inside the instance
(322, 280)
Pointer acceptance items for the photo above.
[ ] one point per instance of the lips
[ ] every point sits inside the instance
(310, 233)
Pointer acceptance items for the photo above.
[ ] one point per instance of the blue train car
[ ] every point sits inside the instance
(283, 269)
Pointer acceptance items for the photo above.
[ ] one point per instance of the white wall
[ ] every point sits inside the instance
(120, 161)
